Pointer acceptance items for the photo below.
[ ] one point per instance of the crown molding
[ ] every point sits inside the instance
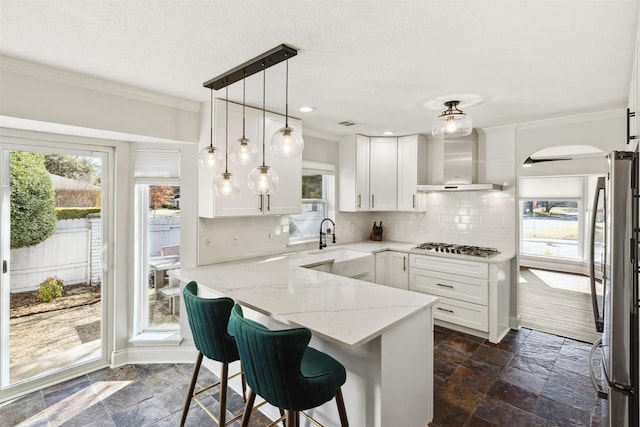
(577, 118)
(58, 75)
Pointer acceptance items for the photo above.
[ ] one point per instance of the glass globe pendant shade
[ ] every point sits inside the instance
(226, 185)
(452, 123)
(263, 180)
(209, 158)
(286, 143)
(243, 152)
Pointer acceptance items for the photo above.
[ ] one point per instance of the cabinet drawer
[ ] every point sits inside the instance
(462, 313)
(463, 288)
(479, 270)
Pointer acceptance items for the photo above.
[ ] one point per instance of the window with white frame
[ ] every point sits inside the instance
(157, 238)
(318, 201)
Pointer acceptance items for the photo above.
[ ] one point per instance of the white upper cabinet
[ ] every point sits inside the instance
(412, 170)
(383, 173)
(353, 173)
(287, 198)
(284, 200)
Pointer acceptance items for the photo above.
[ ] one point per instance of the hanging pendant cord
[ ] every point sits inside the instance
(226, 130)
(264, 121)
(211, 143)
(286, 97)
(243, 104)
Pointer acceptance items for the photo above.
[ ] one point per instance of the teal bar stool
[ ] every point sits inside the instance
(208, 320)
(282, 369)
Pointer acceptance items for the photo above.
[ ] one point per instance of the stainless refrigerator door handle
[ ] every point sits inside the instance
(602, 393)
(599, 321)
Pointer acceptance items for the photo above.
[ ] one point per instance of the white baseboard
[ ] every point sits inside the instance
(139, 355)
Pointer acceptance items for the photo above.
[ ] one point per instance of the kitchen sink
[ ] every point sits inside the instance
(344, 262)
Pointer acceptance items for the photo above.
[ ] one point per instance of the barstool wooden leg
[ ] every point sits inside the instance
(192, 387)
(291, 418)
(223, 394)
(247, 408)
(341, 409)
(284, 419)
(244, 384)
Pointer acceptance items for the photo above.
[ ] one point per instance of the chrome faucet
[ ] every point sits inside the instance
(323, 235)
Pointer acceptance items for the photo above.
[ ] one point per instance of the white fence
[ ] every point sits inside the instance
(74, 252)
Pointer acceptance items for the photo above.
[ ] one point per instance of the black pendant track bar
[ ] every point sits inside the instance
(251, 67)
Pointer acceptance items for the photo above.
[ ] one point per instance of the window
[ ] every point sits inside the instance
(318, 195)
(157, 239)
(552, 214)
(551, 228)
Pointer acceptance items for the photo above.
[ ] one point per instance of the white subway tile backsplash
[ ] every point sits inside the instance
(491, 220)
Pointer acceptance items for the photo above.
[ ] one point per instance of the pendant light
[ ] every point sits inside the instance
(226, 184)
(263, 179)
(208, 157)
(286, 142)
(452, 123)
(242, 151)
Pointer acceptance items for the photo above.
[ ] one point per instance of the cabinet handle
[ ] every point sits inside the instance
(268, 202)
(444, 309)
(414, 201)
(359, 200)
(444, 286)
(372, 201)
(404, 263)
(261, 202)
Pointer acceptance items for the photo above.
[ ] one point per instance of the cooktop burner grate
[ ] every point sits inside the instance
(454, 249)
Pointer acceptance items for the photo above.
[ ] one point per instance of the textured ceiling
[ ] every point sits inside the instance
(377, 63)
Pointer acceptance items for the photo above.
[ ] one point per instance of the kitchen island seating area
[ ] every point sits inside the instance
(208, 320)
(282, 369)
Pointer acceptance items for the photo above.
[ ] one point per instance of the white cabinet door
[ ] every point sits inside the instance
(287, 198)
(412, 170)
(383, 174)
(244, 203)
(382, 267)
(353, 173)
(398, 270)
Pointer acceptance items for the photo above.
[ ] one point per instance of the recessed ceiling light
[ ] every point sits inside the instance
(307, 109)
(389, 132)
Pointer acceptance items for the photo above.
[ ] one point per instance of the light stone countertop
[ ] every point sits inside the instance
(341, 310)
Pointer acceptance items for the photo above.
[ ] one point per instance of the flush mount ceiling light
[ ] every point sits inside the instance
(263, 179)
(452, 123)
(388, 132)
(208, 157)
(307, 109)
(287, 143)
(226, 184)
(242, 151)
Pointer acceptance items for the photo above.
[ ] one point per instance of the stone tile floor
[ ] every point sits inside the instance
(529, 379)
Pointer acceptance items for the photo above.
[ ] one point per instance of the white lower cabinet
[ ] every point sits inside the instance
(473, 295)
(392, 269)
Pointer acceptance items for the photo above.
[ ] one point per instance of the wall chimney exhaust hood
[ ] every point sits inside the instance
(453, 166)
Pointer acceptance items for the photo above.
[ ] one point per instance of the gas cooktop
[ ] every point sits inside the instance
(450, 248)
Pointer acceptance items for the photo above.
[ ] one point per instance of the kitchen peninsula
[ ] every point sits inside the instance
(382, 335)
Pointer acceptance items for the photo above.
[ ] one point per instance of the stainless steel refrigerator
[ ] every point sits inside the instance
(615, 358)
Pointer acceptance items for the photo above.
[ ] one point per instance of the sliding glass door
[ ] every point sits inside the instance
(54, 240)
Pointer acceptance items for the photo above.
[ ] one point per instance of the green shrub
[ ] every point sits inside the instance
(49, 289)
(74, 213)
(33, 203)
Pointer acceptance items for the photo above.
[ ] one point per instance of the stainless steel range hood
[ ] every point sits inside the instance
(456, 166)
